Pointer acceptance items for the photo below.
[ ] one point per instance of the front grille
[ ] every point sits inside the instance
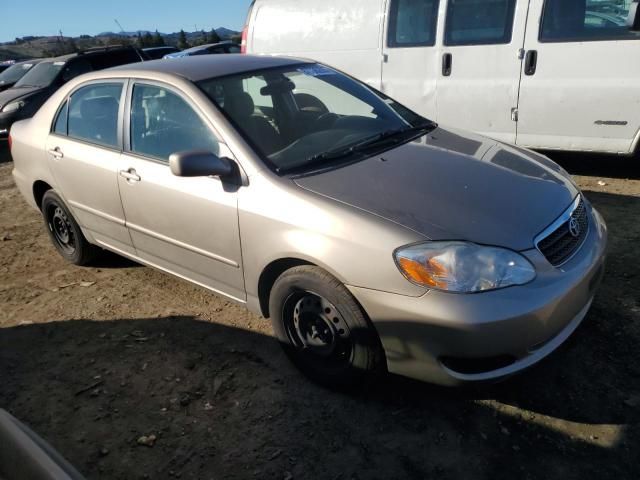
(560, 242)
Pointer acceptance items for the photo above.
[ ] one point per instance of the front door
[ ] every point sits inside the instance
(410, 60)
(480, 60)
(84, 154)
(581, 84)
(186, 226)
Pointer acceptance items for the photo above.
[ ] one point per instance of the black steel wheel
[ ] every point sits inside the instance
(64, 231)
(323, 329)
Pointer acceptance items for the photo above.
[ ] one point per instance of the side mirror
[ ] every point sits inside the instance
(633, 20)
(200, 163)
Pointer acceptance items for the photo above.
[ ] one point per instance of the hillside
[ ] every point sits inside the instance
(34, 47)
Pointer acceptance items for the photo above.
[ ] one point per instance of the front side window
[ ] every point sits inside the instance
(93, 114)
(412, 23)
(584, 20)
(479, 22)
(315, 115)
(163, 123)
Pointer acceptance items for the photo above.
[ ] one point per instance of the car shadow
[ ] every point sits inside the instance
(224, 402)
(597, 164)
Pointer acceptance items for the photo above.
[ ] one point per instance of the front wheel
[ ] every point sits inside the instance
(64, 231)
(322, 328)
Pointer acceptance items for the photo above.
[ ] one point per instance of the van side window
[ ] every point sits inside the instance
(580, 20)
(479, 22)
(412, 23)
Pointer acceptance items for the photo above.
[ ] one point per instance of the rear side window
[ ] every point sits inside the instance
(60, 127)
(93, 114)
(584, 20)
(412, 23)
(479, 22)
(163, 123)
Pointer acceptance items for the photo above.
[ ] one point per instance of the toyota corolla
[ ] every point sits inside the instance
(373, 238)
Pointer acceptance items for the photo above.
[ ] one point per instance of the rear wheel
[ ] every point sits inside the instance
(322, 328)
(64, 231)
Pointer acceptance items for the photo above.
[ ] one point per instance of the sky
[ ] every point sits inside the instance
(90, 17)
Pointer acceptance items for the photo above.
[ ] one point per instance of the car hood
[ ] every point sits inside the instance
(15, 93)
(450, 185)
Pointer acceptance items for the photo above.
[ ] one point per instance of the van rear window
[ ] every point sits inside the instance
(412, 23)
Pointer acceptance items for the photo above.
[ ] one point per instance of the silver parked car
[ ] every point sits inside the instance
(373, 238)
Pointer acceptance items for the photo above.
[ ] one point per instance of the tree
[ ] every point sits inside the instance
(147, 40)
(140, 40)
(213, 36)
(182, 40)
(158, 41)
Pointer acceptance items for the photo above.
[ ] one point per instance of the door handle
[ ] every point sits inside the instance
(130, 175)
(531, 62)
(447, 64)
(56, 152)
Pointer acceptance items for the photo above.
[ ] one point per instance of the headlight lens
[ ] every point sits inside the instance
(13, 106)
(463, 267)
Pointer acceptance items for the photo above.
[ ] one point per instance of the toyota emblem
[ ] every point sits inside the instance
(574, 228)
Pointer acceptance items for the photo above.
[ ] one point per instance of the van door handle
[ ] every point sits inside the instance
(130, 175)
(447, 64)
(56, 152)
(531, 62)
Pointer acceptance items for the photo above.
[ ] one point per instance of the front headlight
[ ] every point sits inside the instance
(13, 106)
(463, 267)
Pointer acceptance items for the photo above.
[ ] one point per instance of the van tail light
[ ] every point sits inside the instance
(243, 44)
(9, 141)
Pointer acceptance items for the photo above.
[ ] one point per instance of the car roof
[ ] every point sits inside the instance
(31, 61)
(209, 45)
(206, 66)
(91, 53)
(148, 49)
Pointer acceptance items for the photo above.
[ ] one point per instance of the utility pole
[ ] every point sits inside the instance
(118, 23)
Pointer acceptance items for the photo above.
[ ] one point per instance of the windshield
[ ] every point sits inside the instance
(41, 75)
(311, 116)
(15, 73)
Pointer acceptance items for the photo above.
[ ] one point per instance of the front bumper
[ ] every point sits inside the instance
(523, 324)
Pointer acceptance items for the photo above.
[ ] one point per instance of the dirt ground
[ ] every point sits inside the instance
(95, 358)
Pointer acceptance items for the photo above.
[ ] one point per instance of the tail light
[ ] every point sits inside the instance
(9, 141)
(243, 44)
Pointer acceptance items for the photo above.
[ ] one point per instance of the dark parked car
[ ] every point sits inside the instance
(212, 48)
(154, 53)
(15, 72)
(31, 91)
(6, 64)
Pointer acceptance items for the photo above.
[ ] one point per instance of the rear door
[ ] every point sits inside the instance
(186, 226)
(84, 150)
(480, 65)
(582, 92)
(410, 59)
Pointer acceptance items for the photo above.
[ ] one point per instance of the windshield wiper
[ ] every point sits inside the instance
(359, 147)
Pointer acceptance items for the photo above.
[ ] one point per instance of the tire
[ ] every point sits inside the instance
(323, 330)
(64, 231)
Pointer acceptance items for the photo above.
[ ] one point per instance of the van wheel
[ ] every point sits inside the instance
(322, 328)
(64, 231)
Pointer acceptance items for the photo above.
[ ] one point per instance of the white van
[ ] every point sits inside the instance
(545, 74)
